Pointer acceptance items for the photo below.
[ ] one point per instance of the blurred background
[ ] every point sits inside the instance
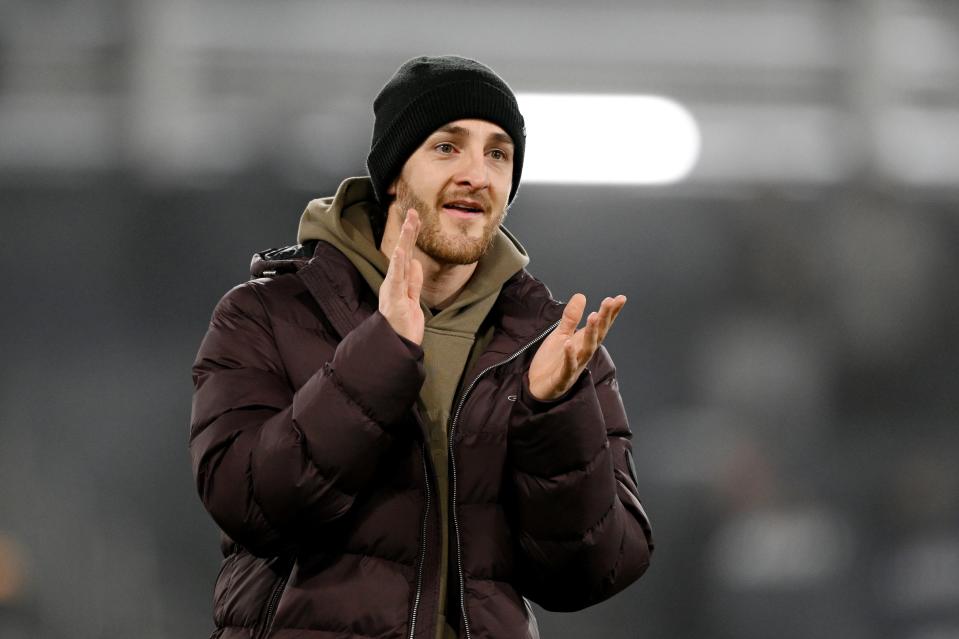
(788, 357)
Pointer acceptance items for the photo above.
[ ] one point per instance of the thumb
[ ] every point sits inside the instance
(572, 314)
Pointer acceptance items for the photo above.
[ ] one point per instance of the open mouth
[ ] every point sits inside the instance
(464, 208)
(468, 209)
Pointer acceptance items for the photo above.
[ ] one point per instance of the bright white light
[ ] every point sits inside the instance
(607, 139)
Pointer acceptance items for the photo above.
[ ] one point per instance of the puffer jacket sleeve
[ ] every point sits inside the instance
(582, 532)
(270, 462)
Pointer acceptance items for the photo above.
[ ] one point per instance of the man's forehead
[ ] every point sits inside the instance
(479, 128)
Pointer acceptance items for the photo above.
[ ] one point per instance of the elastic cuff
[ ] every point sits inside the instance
(541, 406)
(380, 368)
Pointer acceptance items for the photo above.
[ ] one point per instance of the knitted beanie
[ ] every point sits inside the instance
(424, 94)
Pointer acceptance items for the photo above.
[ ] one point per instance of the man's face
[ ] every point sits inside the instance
(458, 181)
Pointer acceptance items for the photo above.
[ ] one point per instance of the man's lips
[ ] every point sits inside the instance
(464, 208)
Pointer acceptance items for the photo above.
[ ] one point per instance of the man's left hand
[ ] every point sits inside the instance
(563, 355)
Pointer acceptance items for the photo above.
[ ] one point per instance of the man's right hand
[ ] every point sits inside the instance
(400, 292)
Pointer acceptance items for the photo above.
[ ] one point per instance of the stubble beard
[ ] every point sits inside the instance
(445, 247)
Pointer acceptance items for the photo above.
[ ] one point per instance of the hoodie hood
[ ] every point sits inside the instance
(343, 220)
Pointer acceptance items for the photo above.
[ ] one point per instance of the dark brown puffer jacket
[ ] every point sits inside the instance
(308, 453)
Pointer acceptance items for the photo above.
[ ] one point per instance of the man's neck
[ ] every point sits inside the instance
(442, 283)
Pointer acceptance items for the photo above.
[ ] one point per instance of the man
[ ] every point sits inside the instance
(398, 430)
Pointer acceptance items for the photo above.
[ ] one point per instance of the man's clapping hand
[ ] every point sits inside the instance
(400, 293)
(564, 353)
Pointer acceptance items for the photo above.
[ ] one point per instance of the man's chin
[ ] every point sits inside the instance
(462, 253)
(454, 257)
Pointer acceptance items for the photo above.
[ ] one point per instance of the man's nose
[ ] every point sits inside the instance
(472, 171)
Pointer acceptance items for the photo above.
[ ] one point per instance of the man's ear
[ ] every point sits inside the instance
(391, 189)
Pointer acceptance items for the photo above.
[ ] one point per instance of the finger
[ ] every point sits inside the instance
(390, 269)
(581, 341)
(407, 239)
(572, 314)
(398, 265)
(415, 280)
(620, 302)
(590, 338)
(605, 314)
(411, 227)
(615, 306)
(413, 220)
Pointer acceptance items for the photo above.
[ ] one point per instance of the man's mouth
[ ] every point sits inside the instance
(464, 208)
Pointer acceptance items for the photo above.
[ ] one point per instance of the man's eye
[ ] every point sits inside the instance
(497, 154)
(444, 147)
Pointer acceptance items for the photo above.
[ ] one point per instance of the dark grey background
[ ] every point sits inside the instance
(788, 355)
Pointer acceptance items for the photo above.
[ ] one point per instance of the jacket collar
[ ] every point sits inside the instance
(525, 309)
(338, 288)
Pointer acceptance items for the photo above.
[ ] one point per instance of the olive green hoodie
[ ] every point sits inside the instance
(451, 339)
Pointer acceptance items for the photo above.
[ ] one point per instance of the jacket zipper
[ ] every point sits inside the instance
(456, 415)
(271, 608)
(419, 570)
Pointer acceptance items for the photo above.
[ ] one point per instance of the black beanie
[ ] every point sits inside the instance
(428, 92)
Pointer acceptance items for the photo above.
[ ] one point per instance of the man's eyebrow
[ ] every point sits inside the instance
(502, 138)
(453, 129)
